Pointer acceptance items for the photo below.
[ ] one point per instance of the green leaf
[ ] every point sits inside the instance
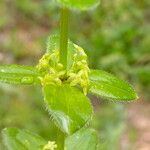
(84, 139)
(15, 74)
(108, 86)
(79, 4)
(16, 139)
(69, 108)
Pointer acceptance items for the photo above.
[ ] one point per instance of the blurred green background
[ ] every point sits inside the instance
(116, 37)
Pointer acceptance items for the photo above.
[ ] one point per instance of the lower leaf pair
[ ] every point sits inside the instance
(15, 139)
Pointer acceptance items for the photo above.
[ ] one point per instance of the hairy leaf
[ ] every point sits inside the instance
(68, 106)
(108, 86)
(15, 139)
(79, 4)
(84, 139)
(15, 74)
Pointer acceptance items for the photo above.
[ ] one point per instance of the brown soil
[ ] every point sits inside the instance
(137, 134)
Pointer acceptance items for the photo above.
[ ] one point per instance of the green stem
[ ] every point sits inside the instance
(60, 140)
(64, 19)
(64, 35)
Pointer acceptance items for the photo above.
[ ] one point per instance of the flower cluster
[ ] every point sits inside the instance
(53, 71)
(50, 146)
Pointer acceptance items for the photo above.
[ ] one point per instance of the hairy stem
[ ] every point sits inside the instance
(64, 35)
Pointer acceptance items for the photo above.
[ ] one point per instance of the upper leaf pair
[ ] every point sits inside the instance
(68, 106)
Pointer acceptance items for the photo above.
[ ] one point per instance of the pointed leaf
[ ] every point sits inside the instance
(15, 74)
(84, 139)
(16, 139)
(108, 86)
(69, 108)
(79, 4)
